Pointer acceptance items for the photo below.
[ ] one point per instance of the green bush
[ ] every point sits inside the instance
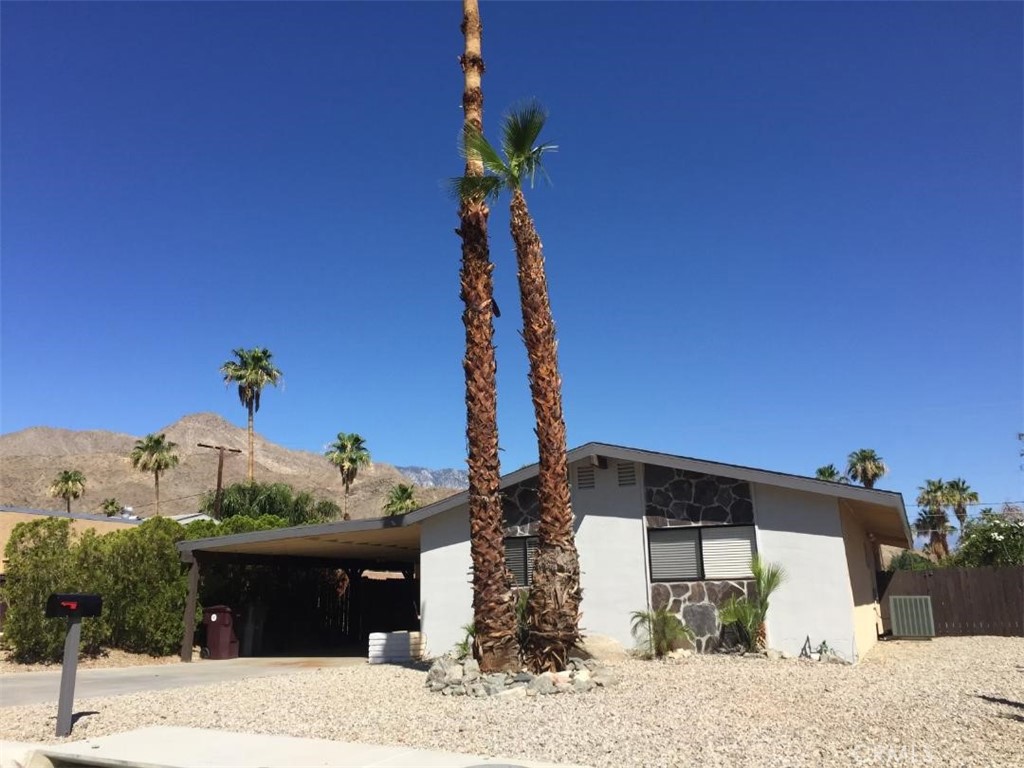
(37, 565)
(658, 632)
(908, 560)
(256, 500)
(747, 615)
(995, 538)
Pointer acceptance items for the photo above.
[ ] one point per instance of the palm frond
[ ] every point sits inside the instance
(475, 187)
(520, 128)
(475, 145)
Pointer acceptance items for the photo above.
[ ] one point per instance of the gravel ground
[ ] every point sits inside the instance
(948, 702)
(109, 658)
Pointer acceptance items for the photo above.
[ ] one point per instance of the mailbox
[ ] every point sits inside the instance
(72, 604)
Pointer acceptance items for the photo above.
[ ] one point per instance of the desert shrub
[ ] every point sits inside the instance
(146, 589)
(37, 565)
(995, 538)
(658, 632)
(746, 615)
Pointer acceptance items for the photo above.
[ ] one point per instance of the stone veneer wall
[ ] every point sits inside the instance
(675, 497)
(521, 508)
(697, 604)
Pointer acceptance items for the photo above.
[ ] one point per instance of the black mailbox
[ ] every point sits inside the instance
(71, 604)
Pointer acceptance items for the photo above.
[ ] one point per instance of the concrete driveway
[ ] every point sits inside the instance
(19, 688)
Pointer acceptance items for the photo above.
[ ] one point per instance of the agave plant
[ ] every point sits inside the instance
(658, 632)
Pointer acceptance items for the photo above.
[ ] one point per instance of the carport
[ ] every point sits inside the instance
(353, 548)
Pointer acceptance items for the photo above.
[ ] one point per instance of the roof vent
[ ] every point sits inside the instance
(627, 473)
(584, 477)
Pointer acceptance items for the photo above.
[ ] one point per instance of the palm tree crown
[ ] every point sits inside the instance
(348, 453)
(252, 370)
(932, 520)
(866, 467)
(154, 453)
(523, 157)
(400, 499)
(68, 485)
(831, 473)
(960, 496)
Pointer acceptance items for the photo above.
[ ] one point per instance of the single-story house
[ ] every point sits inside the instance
(652, 530)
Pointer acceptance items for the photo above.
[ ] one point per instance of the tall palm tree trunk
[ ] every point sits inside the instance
(251, 442)
(67, 502)
(156, 480)
(554, 603)
(494, 616)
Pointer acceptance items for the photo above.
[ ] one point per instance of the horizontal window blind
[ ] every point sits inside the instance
(727, 552)
(520, 553)
(675, 554)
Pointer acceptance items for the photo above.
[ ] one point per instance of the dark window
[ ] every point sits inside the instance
(519, 554)
(691, 553)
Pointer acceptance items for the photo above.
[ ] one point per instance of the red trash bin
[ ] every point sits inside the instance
(221, 641)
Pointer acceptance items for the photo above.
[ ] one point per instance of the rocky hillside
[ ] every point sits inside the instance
(31, 458)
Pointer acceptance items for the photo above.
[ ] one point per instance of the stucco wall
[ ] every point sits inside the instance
(803, 533)
(612, 544)
(860, 561)
(446, 592)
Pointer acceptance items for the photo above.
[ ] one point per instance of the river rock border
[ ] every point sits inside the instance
(462, 677)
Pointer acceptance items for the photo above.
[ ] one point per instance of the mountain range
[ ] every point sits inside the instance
(31, 458)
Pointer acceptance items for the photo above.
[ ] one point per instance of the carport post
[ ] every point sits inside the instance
(190, 608)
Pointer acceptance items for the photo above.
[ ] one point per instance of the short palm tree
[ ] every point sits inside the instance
(932, 520)
(252, 370)
(866, 467)
(748, 614)
(111, 507)
(154, 453)
(831, 473)
(348, 453)
(554, 602)
(68, 485)
(960, 496)
(400, 499)
(659, 631)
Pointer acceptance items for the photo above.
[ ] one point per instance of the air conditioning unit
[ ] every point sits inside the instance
(912, 616)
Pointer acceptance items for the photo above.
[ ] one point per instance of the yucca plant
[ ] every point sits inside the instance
(658, 632)
(747, 615)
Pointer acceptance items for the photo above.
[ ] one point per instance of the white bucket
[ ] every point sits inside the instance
(394, 647)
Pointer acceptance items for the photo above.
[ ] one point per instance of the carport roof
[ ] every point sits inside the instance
(397, 539)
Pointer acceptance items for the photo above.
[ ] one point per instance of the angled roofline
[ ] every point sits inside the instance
(71, 516)
(892, 499)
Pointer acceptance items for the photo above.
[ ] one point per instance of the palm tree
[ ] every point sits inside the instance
(348, 453)
(251, 371)
(554, 602)
(154, 453)
(831, 473)
(960, 496)
(494, 608)
(932, 520)
(111, 507)
(68, 485)
(866, 467)
(400, 499)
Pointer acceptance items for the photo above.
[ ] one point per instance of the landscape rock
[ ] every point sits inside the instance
(605, 678)
(582, 685)
(601, 648)
(542, 684)
(470, 670)
(773, 655)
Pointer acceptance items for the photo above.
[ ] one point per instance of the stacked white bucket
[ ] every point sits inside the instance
(395, 647)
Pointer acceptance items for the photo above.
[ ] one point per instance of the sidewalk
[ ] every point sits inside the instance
(172, 747)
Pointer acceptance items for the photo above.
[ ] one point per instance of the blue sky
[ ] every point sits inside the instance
(777, 233)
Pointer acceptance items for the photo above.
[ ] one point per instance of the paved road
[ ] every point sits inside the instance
(19, 688)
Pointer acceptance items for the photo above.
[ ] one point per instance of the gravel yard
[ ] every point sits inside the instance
(907, 704)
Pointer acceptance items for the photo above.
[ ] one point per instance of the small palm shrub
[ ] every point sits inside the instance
(464, 648)
(746, 615)
(658, 632)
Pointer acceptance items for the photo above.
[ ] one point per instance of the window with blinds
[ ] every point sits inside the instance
(727, 552)
(675, 554)
(688, 554)
(519, 554)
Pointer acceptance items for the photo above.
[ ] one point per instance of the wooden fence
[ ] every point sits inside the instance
(965, 601)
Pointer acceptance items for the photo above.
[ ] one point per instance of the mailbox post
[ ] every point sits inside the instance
(74, 607)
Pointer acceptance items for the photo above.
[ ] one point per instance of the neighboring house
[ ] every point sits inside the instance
(190, 517)
(11, 516)
(653, 530)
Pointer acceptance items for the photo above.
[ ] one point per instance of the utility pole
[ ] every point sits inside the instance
(218, 499)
